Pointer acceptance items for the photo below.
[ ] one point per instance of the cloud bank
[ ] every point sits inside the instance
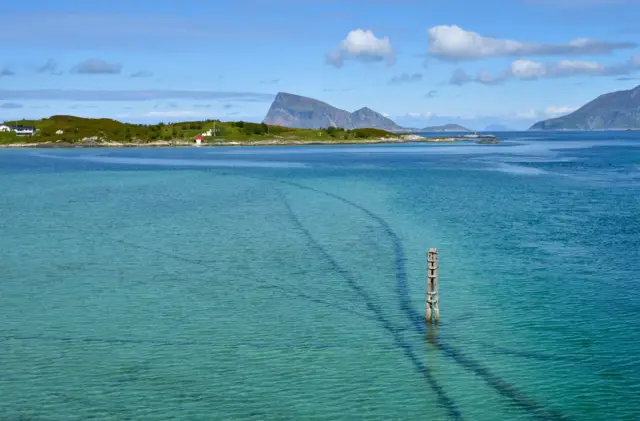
(452, 43)
(127, 95)
(527, 70)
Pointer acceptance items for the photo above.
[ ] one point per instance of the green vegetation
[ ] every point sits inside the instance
(78, 130)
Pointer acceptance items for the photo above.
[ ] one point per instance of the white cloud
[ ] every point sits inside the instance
(362, 45)
(487, 79)
(533, 70)
(450, 42)
(525, 69)
(568, 67)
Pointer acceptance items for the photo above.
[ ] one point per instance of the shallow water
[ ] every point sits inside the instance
(288, 282)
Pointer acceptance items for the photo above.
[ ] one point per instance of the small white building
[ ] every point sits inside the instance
(24, 130)
(4, 128)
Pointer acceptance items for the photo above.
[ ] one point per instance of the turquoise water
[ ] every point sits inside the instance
(287, 283)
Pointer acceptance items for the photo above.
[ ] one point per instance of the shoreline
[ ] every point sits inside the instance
(272, 142)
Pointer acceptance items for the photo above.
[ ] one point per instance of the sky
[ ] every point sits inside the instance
(419, 62)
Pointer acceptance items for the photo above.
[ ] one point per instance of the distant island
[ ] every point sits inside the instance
(445, 128)
(616, 110)
(498, 128)
(70, 131)
(295, 111)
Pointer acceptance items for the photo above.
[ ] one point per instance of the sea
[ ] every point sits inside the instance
(288, 283)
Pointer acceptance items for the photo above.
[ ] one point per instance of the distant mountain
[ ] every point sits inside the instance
(291, 110)
(367, 118)
(615, 110)
(498, 128)
(446, 128)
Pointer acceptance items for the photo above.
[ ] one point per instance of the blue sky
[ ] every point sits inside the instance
(419, 62)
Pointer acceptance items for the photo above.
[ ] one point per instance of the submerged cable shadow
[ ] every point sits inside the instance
(417, 321)
(402, 291)
(446, 402)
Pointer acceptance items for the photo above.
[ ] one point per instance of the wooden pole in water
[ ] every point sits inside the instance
(432, 310)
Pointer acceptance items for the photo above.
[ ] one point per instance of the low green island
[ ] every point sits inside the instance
(69, 131)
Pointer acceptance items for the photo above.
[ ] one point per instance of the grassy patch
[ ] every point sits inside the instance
(72, 129)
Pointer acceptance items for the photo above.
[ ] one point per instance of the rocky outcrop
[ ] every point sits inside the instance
(297, 111)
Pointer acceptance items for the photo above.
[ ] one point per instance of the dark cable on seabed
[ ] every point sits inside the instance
(286, 291)
(504, 388)
(290, 292)
(443, 399)
(416, 319)
(447, 402)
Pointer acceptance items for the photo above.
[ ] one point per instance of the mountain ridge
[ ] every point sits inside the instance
(612, 110)
(291, 110)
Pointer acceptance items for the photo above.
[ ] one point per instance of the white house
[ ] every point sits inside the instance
(24, 130)
(4, 128)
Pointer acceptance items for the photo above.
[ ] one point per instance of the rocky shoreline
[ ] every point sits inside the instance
(270, 142)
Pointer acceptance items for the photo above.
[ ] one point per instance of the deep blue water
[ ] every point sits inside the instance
(288, 282)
